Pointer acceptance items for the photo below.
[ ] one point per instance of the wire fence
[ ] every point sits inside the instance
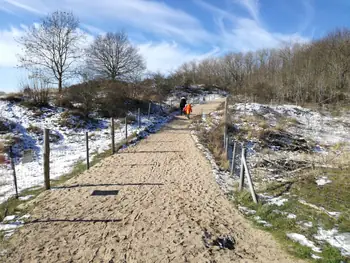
(58, 158)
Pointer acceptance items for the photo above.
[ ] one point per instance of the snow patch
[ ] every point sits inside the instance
(315, 256)
(246, 210)
(279, 201)
(9, 218)
(25, 198)
(10, 226)
(301, 239)
(263, 222)
(291, 216)
(304, 224)
(323, 180)
(25, 216)
(335, 239)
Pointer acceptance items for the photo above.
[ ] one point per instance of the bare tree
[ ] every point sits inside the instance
(52, 47)
(112, 56)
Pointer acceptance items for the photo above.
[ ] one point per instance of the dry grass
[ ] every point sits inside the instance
(34, 129)
(213, 140)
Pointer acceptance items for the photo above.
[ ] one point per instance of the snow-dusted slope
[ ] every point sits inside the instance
(69, 149)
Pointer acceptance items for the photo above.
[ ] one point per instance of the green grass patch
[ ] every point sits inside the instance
(10, 207)
(334, 196)
(331, 255)
(281, 225)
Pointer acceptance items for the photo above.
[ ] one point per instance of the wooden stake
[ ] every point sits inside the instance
(14, 172)
(139, 117)
(227, 146)
(225, 121)
(47, 158)
(250, 182)
(112, 135)
(241, 176)
(149, 110)
(87, 150)
(126, 129)
(233, 165)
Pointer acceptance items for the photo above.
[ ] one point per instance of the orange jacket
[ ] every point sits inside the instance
(188, 109)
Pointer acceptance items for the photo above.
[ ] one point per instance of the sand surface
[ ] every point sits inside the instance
(168, 209)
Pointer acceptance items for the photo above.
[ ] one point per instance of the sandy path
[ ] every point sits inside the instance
(167, 199)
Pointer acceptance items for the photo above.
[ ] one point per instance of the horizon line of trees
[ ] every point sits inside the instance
(315, 72)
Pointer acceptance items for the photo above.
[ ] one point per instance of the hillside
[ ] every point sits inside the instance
(299, 161)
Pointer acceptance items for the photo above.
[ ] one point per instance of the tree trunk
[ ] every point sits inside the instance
(60, 85)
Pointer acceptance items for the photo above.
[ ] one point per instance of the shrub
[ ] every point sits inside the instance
(63, 100)
(34, 129)
(72, 119)
(131, 119)
(84, 94)
(37, 93)
(112, 99)
(3, 127)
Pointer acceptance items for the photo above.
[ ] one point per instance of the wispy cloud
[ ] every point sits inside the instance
(240, 33)
(22, 6)
(2, 8)
(252, 7)
(92, 29)
(153, 17)
(308, 16)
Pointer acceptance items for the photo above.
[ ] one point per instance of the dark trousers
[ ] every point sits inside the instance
(182, 109)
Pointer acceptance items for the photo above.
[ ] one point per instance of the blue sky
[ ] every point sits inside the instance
(170, 32)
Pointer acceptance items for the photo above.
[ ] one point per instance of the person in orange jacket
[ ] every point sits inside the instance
(188, 110)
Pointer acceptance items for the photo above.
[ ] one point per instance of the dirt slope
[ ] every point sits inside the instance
(167, 200)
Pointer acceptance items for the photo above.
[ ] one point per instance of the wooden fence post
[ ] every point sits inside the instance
(87, 150)
(126, 129)
(139, 117)
(241, 176)
(227, 146)
(47, 158)
(149, 110)
(233, 165)
(225, 121)
(249, 179)
(112, 135)
(14, 171)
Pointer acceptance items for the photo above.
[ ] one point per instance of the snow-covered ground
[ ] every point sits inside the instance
(65, 153)
(322, 128)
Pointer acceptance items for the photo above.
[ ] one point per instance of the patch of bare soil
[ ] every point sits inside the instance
(155, 202)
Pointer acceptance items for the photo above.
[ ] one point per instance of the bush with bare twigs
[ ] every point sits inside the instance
(37, 93)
